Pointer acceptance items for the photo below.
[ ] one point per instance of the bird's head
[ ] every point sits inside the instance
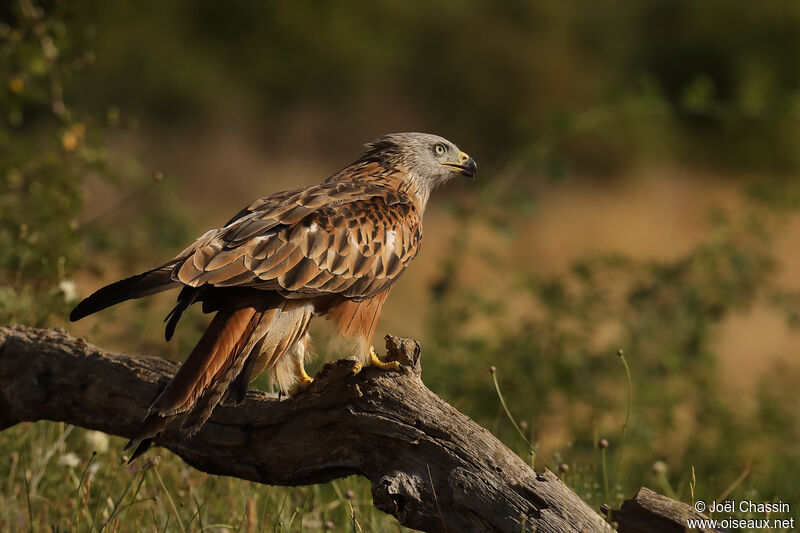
(424, 159)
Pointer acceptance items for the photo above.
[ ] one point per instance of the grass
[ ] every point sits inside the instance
(54, 481)
(57, 477)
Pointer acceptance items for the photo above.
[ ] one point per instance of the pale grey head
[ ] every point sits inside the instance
(427, 160)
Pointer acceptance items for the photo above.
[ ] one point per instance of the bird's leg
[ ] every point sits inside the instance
(298, 355)
(303, 379)
(372, 359)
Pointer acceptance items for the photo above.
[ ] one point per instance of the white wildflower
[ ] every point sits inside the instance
(69, 459)
(93, 468)
(660, 468)
(68, 289)
(97, 441)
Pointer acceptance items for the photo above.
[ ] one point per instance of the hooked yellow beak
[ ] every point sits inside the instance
(466, 165)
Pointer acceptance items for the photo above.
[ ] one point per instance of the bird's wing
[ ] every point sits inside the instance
(351, 238)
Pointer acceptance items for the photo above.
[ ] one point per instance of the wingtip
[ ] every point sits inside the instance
(152, 425)
(84, 308)
(143, 446)
(75, 314)
(144, 284)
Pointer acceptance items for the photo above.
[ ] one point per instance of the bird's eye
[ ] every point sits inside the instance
(439, 149)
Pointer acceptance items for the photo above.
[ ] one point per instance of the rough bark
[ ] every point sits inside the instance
(650, 512)
(430, 466)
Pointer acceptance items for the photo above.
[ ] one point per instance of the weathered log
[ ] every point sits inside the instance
(650, 512)
(430, 466)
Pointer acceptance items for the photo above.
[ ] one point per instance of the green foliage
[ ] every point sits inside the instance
(725, 71)
(44, 154)
(50, 151)
(553, 340)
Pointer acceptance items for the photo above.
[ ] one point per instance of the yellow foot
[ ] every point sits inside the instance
(303, 382)
(385, 365)
(373, 360)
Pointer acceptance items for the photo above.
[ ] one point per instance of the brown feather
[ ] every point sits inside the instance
(319, 280)
(250, 228)
(205, 254)
(361, 265)
(297, 277)
(188, 272)
(271, 270)
(337, 263)
(295, 214)
(208, 356)
(320, 246)
(238, 388)
(276, 253)
(286, 328)
(224, 258)
(222, 274)
(358, 319)
(209, 397)
(243, 278)
(264, 247)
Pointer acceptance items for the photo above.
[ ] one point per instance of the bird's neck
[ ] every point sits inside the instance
(407, 181)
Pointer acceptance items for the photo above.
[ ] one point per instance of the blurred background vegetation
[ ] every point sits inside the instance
(638, 191)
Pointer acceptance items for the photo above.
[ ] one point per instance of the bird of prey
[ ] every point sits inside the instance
(333, 249)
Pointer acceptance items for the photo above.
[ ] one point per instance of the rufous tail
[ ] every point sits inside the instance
(199, 384)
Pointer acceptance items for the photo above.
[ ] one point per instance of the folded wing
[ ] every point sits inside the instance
(349, 238)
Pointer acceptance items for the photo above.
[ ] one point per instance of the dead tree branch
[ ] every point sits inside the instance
(430, 466)
(650, 512)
